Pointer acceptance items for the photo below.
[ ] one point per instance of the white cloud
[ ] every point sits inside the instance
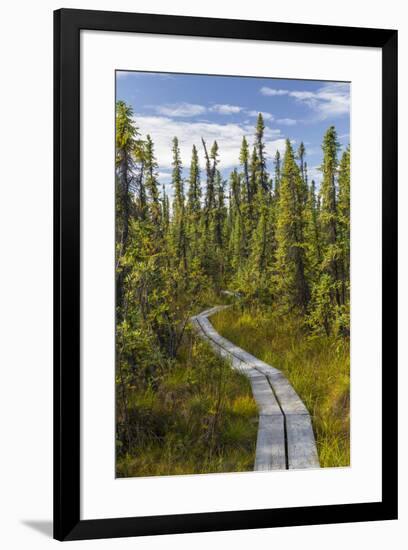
(164, 176)
(271, 148)
(179, 109)
(265, 90)
(314, 173)
(192, 109)
(302, 96)
(228, 136)
(266, 116)
(225, 109)
(312, 150)
(286, 121)
(330, 100)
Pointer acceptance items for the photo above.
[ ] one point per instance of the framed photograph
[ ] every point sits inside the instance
(225, 274)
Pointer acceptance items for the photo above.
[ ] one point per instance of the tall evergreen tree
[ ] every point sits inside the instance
(194, 190)
(254, 173)
(126, 139)
(260, 149)
(140, 197)
(179, 221)
(194, 205)
(165, 210)
(301, 153)
(292, 284)
(327, 309)
(211, 167)
(246, 198)
(220, 224)
(209, 219)
(236, 243)
(277, 164)
(220, 211)
(126, 147)
(152, 186)
(259, 244)
(328, 212)
(244, 160)
(344, 223)
(312, 234)
(126, 144)
(301, 156)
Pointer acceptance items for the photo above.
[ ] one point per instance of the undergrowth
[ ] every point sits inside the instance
(318, 367)
(197, 417)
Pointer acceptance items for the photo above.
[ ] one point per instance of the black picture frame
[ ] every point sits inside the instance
(67, 26)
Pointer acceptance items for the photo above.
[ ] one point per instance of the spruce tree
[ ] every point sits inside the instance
(254, 173)
(126, 172)
(126, 139)
(194, 205)
(152, 186)
(220, 211)
(211, 167)
(178, 221)
(244, 161)
(194, 189)
(291, 281)
(236, 242)
(312, 234)
(277, 164)
(259, 243)
(220, 224)
(260, 150)
(125, 165)
(208, 247)
(344, 223)
(301, 156)
(140, 198)
(327, 300)
(165, 210)
(261, 230)
(328, 212)
(301, 153)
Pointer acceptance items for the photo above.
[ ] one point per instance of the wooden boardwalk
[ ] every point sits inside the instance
(285, 436)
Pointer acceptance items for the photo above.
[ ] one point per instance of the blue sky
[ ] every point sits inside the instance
(225, 108)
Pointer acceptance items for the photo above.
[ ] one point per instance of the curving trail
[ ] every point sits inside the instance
(285, 436)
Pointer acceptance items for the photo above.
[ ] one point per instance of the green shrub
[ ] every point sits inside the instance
(200, 417)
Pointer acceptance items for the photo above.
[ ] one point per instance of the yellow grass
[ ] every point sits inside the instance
(200, 417)
(317, 367)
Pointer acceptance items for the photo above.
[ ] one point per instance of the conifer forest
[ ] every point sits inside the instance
(279, 243)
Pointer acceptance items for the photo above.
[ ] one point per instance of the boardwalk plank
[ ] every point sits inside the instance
(288, 398)
(270, 445)
(235, 350)
(302, 451)
(284, 422)
(264, 397)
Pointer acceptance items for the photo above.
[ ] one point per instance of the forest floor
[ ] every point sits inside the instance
(200, 415)
(318, 368)
(199, 418)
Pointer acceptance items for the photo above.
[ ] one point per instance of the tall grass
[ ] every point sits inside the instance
(198, 417)
(318, 368)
